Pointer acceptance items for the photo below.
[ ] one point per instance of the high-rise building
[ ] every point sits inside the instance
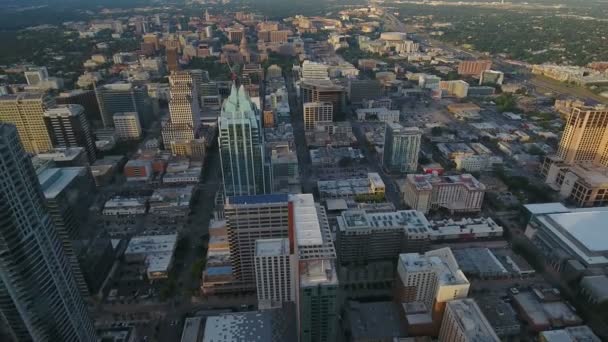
(401, 148)
(69, 192)
(123, 97)
(85, 98)
(474, 68)
(364, 237)
(491, 77)
(317, 112)
(26, 112)
(323, 91)
(459, 193)
(250, 218)
(172, 59)
(314, 71)
(274, 273)
(361, 90)
(127, 126)
(456, 88)
(67, 126)
(317, 299)
(464, 321)
(40, 300)
(585, 137)
(241, 146)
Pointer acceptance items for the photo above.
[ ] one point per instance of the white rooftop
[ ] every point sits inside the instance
(306, 220)
(589, 228)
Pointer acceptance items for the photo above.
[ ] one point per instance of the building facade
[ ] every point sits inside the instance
(585, 136)
(123, 97)
(26, 112)
(401, 148)
(460, 193)
(40, 300)
(463, 321)
(68, 127)
(127, 126)
(274, 272)
(241, 146)
(317, 112)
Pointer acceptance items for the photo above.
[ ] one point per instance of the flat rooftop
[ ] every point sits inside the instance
(306, 220)
(271, 247)
(589, 228)
(471, 320)
(441, 261)
(53, 181)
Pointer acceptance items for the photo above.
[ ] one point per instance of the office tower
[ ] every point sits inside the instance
(85, 98)
(26, 112)
(317, 112)
(249, 218)
(317, 298)
(123, 97)
(474, 68)
(323, 91)
(39, 298)
(284, 169)
(172, 59)
(364, 237)
(274, 273)
(68, 127)
(427, 281)
(459, 193)
(314, 71)
(401, 148)
(463, 321)
(361, 90)
(127, 126)
(241, 146)
(34, 76)
(69, 192)
(585, 137)
(235, 35)
(199, 78)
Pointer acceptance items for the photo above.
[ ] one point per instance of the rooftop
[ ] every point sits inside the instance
(410, 220)
(53, 181)
(375, 320)
(262, 326)
(258, 199)
(271, 247)
(471, 320)
(441, 261)
(193, 327)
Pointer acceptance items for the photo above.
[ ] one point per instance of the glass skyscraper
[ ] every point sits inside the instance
(39, 298)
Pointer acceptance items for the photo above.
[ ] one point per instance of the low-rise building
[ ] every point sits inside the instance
(460, 193)
(570, 334)
(585, 185)
(352, 188)
(171, 202)
(138, 170)
(156, 252)
(463, 321)
(120, 206)
(464, 229)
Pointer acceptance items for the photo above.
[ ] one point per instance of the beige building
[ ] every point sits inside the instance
(585, 137)
(584, 184)
(317, 112)
(274, 272)
(26, 112)
(127, 126)
(463, 321)
(459, 193)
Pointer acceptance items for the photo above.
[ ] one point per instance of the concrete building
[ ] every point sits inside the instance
(473, 68)
(370, 186)
(364, 237)
(124, 206)
(248, 219)
(41, 300)
(67, 127)
(276, 325)
(241, 146)
(26, 112)
(458, 88)
(569, 334)
(317, 112)
(123, 97)
(401, 148)
(585, 136)
(314, 71)
(172, 55)
(464, 229)
(491, 77)
(138, 170)
(275, 269)
(284, 168)
(323, 91)
(584, 184)
(317, 299)
(460, 193)
(155, 252)
(562, 234)
(85, 98)
(463, 321)
(381, 114)
(127, 126)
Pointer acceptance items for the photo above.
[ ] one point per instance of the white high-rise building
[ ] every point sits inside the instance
(39, 297)
(401, 148)
(463, 321)
(317, 112)
(274, 272)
